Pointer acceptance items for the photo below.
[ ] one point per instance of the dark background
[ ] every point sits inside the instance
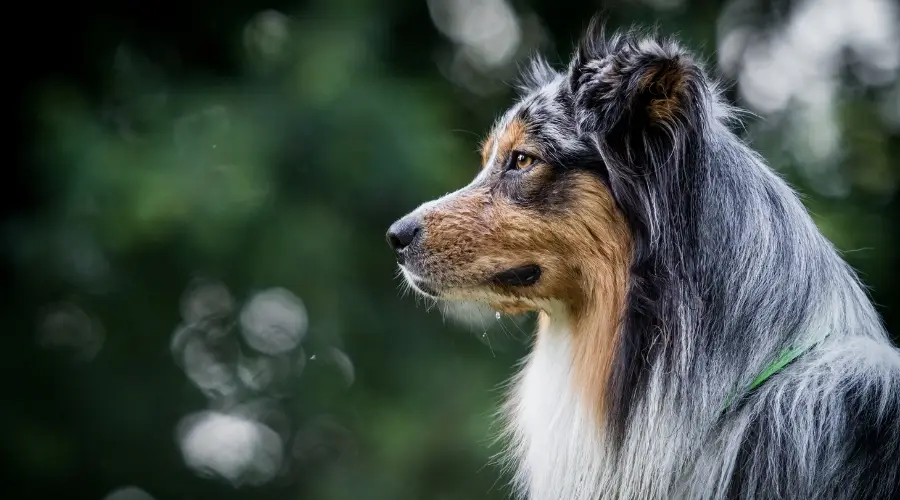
(200, 302)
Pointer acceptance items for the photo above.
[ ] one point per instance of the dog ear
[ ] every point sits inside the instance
(632, 80)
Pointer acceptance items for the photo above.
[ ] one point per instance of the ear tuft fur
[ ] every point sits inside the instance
(535, 75)
(664, 85)
(641, 79)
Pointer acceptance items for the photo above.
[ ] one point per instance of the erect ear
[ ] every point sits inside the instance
(634, 81)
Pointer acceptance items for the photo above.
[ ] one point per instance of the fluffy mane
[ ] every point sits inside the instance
(728, 271)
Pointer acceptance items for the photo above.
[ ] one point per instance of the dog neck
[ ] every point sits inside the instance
(556, 411)
(554, 430)
(593, 331)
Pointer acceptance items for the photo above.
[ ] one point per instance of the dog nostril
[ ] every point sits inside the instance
(394, 241)
(402, 233)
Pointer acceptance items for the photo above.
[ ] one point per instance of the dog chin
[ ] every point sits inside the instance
(420, 285)
(478, 296)
(450, 294)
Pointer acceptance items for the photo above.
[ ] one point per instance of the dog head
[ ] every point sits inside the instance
(540, 226)
(533, 228)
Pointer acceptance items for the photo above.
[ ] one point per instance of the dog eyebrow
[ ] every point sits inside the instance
(512, 137)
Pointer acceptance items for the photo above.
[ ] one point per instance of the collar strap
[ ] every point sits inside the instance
(786, 357)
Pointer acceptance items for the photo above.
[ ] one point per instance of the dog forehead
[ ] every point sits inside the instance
(539, 104)
(546, 105)
(549, 113)
(551, 99)
(542, 117)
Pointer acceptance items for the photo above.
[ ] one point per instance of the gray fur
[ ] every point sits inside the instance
(729, 271)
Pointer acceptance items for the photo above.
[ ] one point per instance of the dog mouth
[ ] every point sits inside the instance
(521, 276)
(516, 277)
(419, 284)
(425, 288)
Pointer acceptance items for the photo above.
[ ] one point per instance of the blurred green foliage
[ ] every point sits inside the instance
(270, 145)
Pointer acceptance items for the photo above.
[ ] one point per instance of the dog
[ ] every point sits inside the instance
(698, 337)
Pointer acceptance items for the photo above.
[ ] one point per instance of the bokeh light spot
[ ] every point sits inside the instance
(273, 321)
(231, 447)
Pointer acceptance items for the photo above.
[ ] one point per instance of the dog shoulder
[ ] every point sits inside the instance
(829, 428)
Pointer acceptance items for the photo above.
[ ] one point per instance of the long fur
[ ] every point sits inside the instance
(728, 271)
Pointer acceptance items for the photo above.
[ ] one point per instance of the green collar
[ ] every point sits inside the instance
(786, 357)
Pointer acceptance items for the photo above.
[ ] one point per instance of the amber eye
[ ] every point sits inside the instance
(524, 161)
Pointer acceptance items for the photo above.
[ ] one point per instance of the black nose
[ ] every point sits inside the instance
(402, 233)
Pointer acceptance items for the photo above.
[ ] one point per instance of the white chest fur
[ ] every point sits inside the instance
(556, 442)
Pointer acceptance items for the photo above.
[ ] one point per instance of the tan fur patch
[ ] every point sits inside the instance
(597, 318)
(513, 137)
(665, 83)
(486, 149)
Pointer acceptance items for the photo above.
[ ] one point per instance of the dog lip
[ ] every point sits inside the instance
(526, 275)
(419, 283)
(425, 288)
